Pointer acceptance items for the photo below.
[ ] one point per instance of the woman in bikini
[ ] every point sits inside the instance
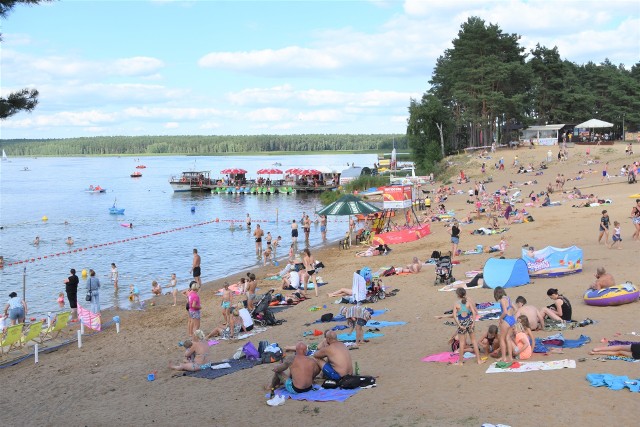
(506, 320)
(635, 217)
(199, 351)
(309, 263)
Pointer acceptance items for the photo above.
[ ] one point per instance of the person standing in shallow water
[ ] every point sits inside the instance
(323, 227)
(195, 267)
(71, 287)
(294, 233)
(258, 236)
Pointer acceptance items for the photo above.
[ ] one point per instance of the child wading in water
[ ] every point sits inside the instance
(463, 316)
(61, 300)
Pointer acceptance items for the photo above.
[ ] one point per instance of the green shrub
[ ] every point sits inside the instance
(328, 197)
(365, 182)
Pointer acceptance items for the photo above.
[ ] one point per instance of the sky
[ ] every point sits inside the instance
(161, 67)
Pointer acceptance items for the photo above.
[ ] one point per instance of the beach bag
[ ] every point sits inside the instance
(261, 346)
(250, 351)
(327, 317)
(330, 384)
(88, 297)
(354, 381)
(271, 356)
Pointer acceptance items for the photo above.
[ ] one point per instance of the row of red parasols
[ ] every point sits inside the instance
(273, 171)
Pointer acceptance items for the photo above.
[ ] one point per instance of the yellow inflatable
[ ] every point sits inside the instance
(635, 196)
(84, 274)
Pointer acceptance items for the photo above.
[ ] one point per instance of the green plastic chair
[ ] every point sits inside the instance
(11, 338)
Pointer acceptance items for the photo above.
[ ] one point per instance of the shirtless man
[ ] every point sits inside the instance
(535, 316)
(307, 227)
(302, 371)
(294, 233)
(338, 360)
(69, 241)
(603, 280)
(258, 236)
(195, 267)
(251, 291)
(248, 221)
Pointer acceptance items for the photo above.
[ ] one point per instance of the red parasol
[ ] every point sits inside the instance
(293, 171)
(233, 171)
(269, 171)
(306, 172)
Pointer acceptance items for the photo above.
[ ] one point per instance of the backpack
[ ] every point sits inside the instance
(435, 254)
(271, 357)
(269, 319)
(355, 381)
(261, 346)
(327, 317)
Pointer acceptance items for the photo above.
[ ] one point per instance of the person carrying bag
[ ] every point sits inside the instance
(93, 288)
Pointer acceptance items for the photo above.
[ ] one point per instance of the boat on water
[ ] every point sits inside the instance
(140, 167)
(26, 169)
(4, 157)
(277, 164)
(115, 210)
(192, 181)
(96, 189)
(136, 174)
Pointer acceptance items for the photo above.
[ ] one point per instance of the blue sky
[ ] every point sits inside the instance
(163, 67)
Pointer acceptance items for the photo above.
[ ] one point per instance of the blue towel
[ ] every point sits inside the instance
(319, 394)
(383, 324)
(352, 336)
(614, 382)
(543, 347)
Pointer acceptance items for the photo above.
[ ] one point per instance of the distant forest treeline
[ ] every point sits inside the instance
(198, 145)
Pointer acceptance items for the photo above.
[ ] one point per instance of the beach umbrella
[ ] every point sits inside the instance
(269, 171)
(293, 171)
(233, 171)
(306, 172)
(594, 123)
(349, 205)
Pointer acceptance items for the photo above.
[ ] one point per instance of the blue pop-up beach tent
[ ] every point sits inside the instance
(507, 273)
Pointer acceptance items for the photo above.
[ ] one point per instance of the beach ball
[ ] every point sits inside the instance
(45, 218)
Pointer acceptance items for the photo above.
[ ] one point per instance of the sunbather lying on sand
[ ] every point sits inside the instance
(628, 350)
(414, 267)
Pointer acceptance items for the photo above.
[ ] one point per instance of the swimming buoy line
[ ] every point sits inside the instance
(157, 233)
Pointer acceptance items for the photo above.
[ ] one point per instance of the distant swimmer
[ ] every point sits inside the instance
(248, 221)
(36, 242)
(69, 241)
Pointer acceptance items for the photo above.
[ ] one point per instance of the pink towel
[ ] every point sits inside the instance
(445, 357)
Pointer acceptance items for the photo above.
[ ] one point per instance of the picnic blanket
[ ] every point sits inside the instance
(352, 336)
(614, 382)
(558, 340)
(319, 394)
(220, 369)
(532, 366)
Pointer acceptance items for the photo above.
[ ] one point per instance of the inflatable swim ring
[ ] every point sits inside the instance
(615, 295)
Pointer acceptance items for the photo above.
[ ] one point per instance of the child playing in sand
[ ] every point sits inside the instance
(524, 321)
(226, 302)
(61, 300)
(463, 315)
(173, 288)
(506, 320)
(267, 255)
(520, 348)
(156, 290)
(134, 293)
(187, 346)
(489, 344)
(616, 235)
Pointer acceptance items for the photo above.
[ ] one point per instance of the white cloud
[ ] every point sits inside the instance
(171, 125)
(85, 119)
(136, 66)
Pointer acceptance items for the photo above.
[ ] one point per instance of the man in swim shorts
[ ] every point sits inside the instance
(338, 360)
(323, 227)
(195, 268)
(303, 370)
(258, 236)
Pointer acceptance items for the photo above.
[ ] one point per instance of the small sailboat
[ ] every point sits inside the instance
(114, 210)
(4, 157)
(136, 174)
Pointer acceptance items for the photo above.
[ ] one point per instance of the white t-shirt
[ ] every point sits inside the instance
(294, 278)
(246, 317)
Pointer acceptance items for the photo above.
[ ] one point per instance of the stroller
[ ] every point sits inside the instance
(262, 313)
(375, 291)
(444, 268)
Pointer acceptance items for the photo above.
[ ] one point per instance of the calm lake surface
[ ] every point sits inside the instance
(55, 188)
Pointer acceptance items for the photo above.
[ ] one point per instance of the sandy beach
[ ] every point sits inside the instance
(105, 382)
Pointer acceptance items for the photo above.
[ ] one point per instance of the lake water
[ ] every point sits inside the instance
(158, 244)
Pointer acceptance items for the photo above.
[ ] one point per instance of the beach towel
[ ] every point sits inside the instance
(340, 318)
(383, 323)
(623, 358)
(254, 331)
(453, 286)
(446, 357)
(533, 366)
(614, 382)
(89, 319)
(319, 394)
(220, 369)
(359, 287)
(352, 336)
(558, 340)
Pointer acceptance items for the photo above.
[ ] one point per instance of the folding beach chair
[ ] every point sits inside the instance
(62, 320)
(35, 330)
(11, 338)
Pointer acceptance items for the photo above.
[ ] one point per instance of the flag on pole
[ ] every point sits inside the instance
(89, 318)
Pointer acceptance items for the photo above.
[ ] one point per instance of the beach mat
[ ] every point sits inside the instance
(352, 336)
(340, 318)
(383, 324)
(252, 332)
(446, 357)
(213, 373)
(319, 394)
(614, 382)
(533, 366)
